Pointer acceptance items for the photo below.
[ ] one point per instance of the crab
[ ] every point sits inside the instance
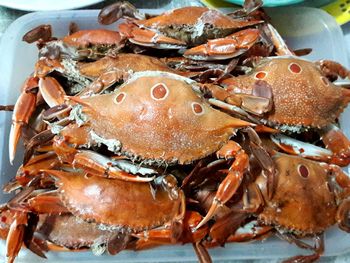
(303, 99)
(43, 223)
(178, 127)
(82, 44)
(186, 27)
(309, 198)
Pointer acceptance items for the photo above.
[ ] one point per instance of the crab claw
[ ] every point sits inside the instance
(296, 147)
(120, 169)
(338, 143)
(224, 48)
(23, 110)
(116, 11)
(230, 184)
(337, 152)
(148, 38)
(52, 91)
(42, 32)
(333, 69)
(15, 236)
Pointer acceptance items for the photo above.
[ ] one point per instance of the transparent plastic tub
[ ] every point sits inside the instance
(302, 27)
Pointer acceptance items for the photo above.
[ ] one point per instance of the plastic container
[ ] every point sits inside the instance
(303, 27)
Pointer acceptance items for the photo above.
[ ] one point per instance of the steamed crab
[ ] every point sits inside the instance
(43, 87)
(309, 198)
(92, 44)
(304, 98)
(186, 27)
(118, 210)
(157, 119)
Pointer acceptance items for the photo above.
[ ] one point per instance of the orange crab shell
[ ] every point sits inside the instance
(70, 231)
(116, 203)
(123, 62)
(303, 201)
(191, 15)
(86, 38)
(302, 96)
(157, 117)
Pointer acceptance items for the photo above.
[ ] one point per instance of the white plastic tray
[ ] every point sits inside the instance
(303, 27)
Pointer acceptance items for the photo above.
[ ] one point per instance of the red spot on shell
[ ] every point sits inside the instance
(325, 81)
(159, 91)
(120, 97)
(303, 171)
(197, 108)
(260, 75)
(294, 68)
(3, 219)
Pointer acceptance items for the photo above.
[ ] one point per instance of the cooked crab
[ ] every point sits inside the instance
(186, 27)
(92, 44)
(302, 99)
(309, 198)
(157, 119)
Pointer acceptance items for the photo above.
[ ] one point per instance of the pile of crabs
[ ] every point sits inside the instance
(192, 126)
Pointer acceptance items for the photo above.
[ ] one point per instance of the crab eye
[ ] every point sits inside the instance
(303, 171)
(120, 98)
(294, 68)
(159, 91)
(260, 75)
(197, 108)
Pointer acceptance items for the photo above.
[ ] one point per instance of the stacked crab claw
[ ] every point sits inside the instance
(187, 127)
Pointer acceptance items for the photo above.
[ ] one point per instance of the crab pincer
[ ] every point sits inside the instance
(224, 48)
(24, 108)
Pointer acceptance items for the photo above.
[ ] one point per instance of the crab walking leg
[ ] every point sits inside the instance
(279, 43)
(224, 48)
(24, 108)
(230, 184)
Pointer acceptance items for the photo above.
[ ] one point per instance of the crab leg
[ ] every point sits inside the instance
(116, 11)
(15, 236)
(97, 164)
(334, 140)
(281, 46)
(52, 91)
(224, 48)
(23, 110)
(28, 171)
(338, 143)
(47, 203)
(230, 184)
(248, 232)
